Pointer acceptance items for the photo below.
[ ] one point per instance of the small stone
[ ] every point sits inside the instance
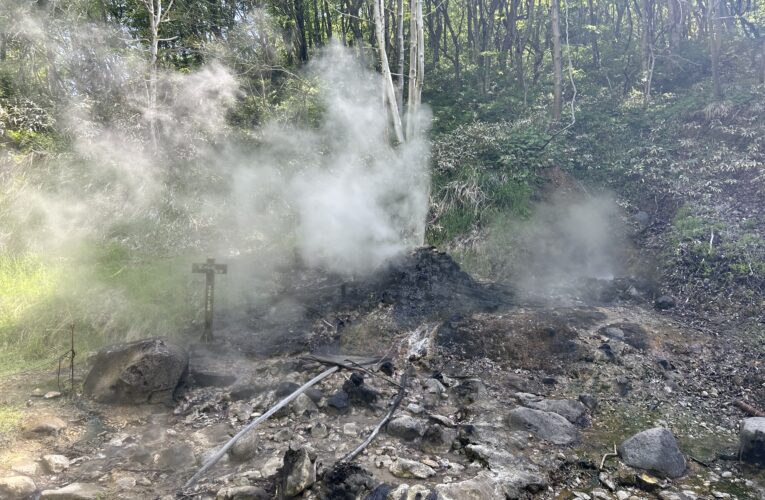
(351, 429)
(75, 491)
(414, 408)
(664, 302)
(405, 427)
(606, 481)
(37, 393)
(433, 386)
(319, 430)
(720, 494)
(125, 483)
(13, 487)
(52, 395)
(599, 494)
(43, 425)
(582, 495)
(622, 495)
(27, 469)
(409, 469)
(242, 493)
(55, 464)
(271, 466)
(298, 472)
(727, 474)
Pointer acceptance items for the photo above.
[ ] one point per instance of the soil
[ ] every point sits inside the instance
(475, 353)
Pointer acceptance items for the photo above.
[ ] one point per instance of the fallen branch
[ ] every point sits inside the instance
(605, 456)
(396, 403)
(284, 402)
(749, 409)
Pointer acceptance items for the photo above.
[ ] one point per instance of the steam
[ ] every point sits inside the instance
(336, 195)
(566, 241)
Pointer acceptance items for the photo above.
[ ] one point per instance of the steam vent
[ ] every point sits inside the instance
(358, 250)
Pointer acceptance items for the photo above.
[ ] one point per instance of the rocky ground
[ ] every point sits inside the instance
(503, 400)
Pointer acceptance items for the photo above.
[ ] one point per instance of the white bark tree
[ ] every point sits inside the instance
(157, 15)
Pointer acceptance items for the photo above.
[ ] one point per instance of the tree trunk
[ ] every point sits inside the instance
(674, 23)
(389, 92)
(557, 60)
(400, 55)
(715, 43)
(594, 35)
(416, 66)
(302, 42)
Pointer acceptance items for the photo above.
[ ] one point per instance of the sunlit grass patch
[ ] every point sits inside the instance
(10, 417)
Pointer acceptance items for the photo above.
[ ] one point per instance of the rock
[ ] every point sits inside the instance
(286, 388)
(210, 378)
(438, 439)
(242, 493)
(545, 425)
(351, 429)
(319, 430)
(358, 392)
(75, 491)
(675, 495)
(599, 494)
(339, 401)
(315, 394)
(55, 463)
(271, 467)
(469, 391)
(52, 395)
(17, 487)
(504, 484)
(303, 406)
(655, 450)
(433, 386)
(27, 468)
(177, 456)
(409, 469)
(298, 473)
(573, 411)
(346, 481)
(647, 482)
(590, 401)
(664, 302)
(137, 372)
(405, 427)
(752, 441)
(398, 493)
(42, 425)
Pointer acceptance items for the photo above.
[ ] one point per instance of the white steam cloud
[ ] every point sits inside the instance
(335, 194)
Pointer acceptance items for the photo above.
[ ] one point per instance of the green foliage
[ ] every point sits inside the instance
(107, 293)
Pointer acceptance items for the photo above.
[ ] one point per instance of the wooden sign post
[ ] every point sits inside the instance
(210, 269)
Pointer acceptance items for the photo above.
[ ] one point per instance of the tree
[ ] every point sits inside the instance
(557, 60)
(157, 16)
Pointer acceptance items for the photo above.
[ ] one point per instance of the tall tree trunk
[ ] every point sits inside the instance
(400, 55)
(416, 67)
(302, 41)
(646, 46)
(389, 92)
(327, 19)
(557, 60)
(715, 44)
(594, 35)
(316, 24)
(674, 23)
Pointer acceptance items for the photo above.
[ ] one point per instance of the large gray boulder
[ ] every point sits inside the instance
(655, 450)
(545, 425)
(752, 441)
(145, 371)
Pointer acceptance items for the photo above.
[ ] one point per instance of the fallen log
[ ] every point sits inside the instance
(284, 402)
(749, 409)
(396, 403)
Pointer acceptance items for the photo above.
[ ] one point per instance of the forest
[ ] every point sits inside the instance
(521, 231)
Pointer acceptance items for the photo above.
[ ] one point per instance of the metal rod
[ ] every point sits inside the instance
(223, 449)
